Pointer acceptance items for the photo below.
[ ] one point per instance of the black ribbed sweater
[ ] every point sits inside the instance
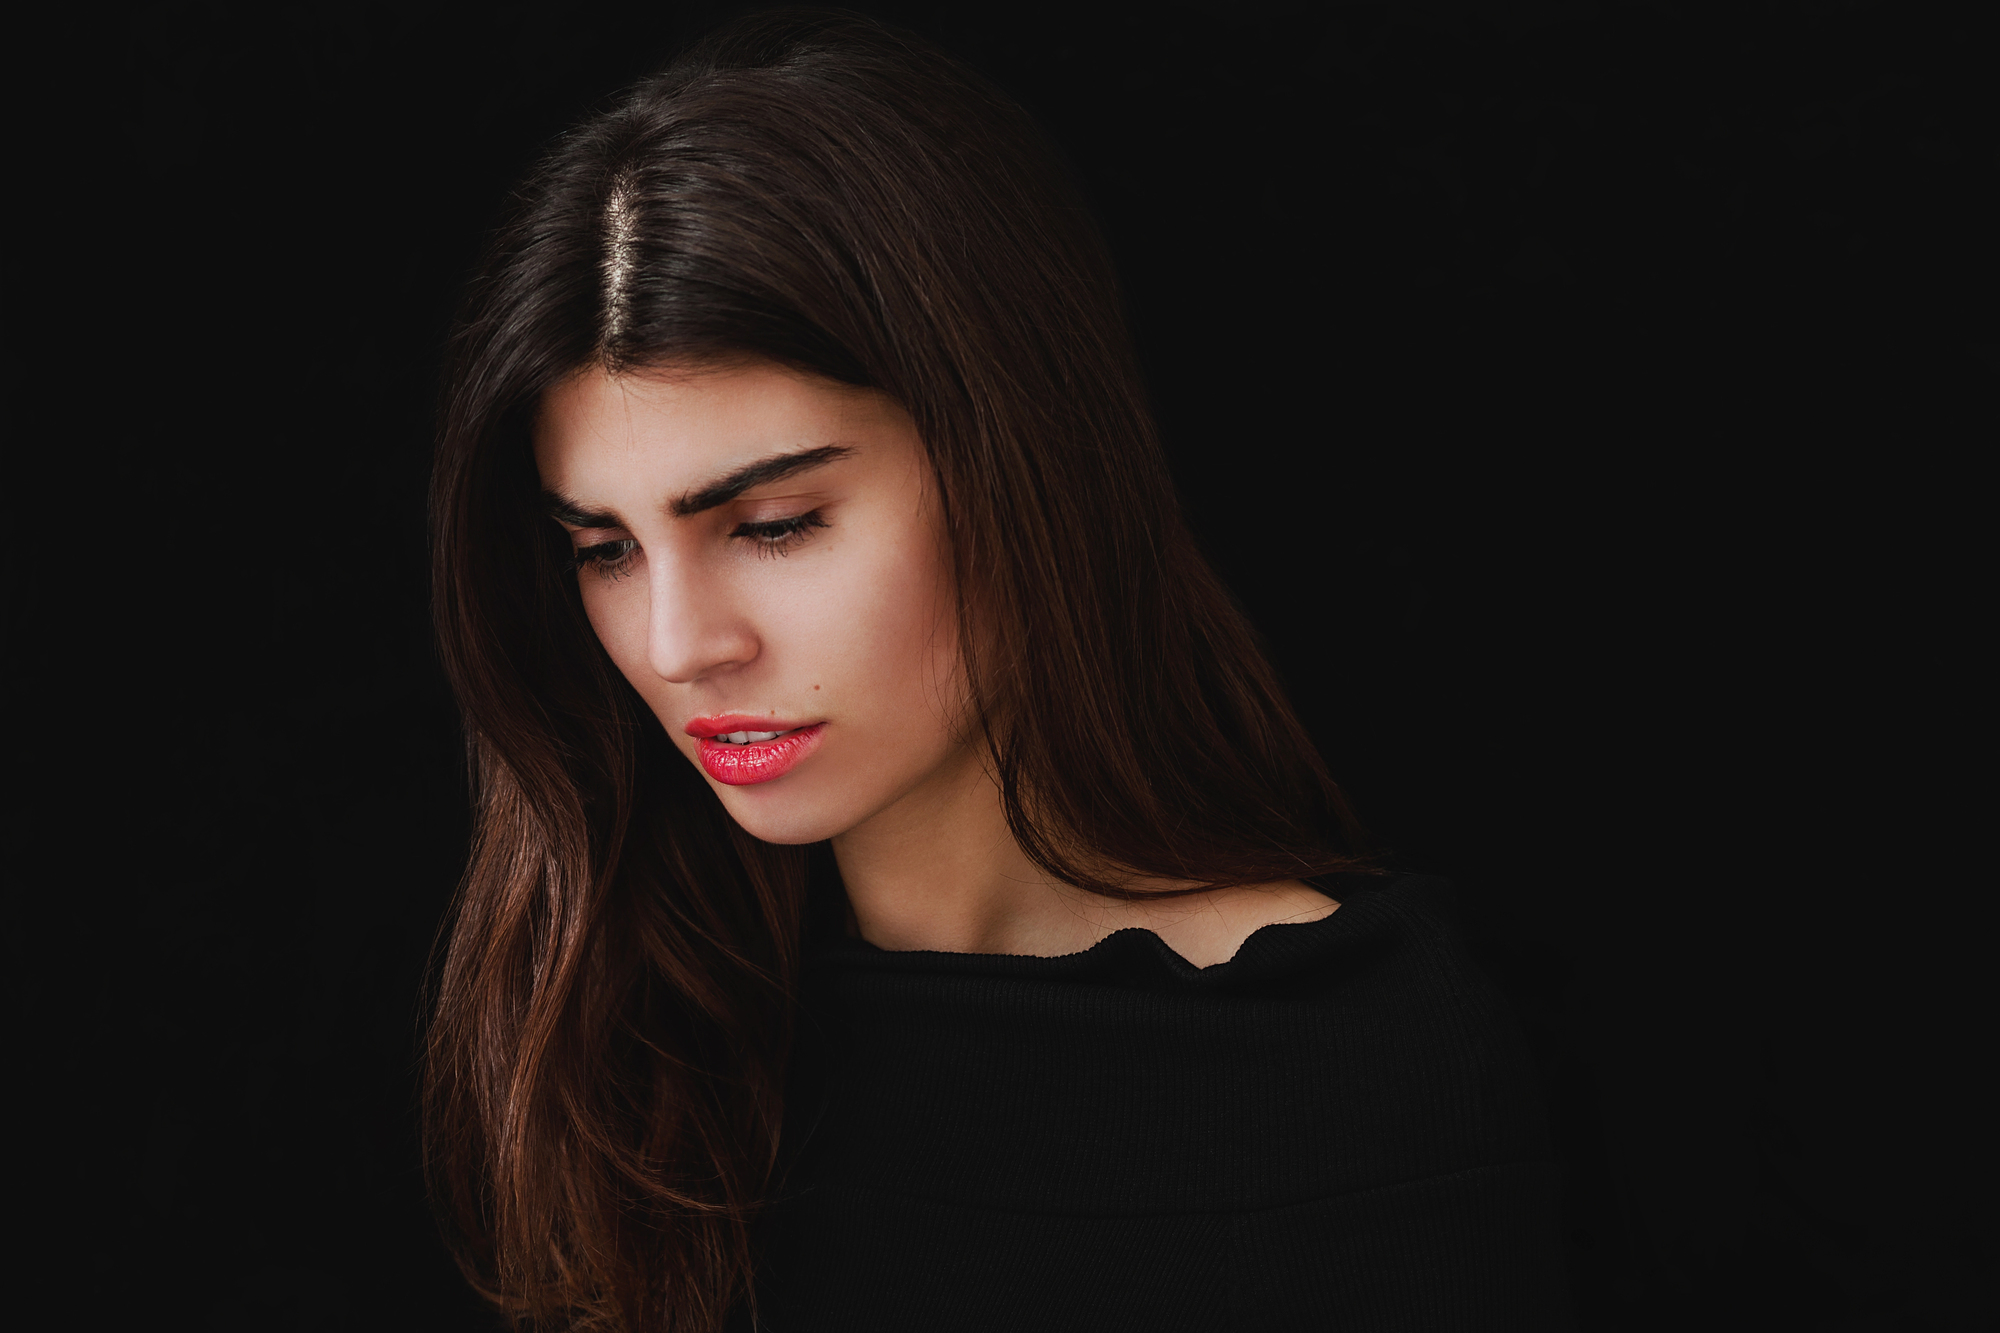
(1335, 1129)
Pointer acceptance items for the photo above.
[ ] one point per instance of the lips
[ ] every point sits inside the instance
(741, 751)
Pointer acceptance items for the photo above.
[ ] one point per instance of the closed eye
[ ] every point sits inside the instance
(779, 535)
(611, 559)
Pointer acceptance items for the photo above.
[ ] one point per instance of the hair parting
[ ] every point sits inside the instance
(620, 235)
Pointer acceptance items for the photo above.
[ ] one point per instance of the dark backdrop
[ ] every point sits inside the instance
(1581, 397)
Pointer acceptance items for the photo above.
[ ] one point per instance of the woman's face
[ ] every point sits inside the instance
(761, 552)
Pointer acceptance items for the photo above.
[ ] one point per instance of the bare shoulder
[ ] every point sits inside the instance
(1208, 928)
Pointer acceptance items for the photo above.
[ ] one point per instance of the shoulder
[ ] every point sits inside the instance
(1370, 1024)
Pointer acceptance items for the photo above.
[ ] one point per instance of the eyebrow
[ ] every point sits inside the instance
(718, 492)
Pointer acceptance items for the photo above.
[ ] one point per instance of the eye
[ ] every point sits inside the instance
(779, 535)
(609, 560)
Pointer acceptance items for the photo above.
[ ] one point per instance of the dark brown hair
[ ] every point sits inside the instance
(614, 1008)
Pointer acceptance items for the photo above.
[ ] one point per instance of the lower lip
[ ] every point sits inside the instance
(759, 761)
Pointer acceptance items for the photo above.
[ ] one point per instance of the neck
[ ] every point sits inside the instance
(939, 869)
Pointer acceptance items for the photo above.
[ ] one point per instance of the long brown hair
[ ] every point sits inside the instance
(614, 1007)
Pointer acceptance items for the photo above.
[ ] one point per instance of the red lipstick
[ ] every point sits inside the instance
(740, 750)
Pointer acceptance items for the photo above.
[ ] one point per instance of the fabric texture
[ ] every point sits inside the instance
(1338, 1128)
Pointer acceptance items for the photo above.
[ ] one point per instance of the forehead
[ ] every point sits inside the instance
(670, 426)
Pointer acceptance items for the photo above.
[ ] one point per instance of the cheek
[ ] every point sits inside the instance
(885, 633)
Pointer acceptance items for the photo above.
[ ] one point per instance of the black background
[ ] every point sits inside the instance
(1583, 398)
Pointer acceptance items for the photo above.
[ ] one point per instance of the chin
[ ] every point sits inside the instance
(770, 814)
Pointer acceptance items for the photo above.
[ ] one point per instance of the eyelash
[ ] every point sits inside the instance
(613, 560)
(779, 535)
(609, 560)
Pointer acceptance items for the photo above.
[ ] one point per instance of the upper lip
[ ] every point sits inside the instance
(721, 725)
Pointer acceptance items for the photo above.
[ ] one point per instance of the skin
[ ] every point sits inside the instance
(851, 624)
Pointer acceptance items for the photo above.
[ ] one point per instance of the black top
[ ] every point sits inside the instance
(1335, 1129)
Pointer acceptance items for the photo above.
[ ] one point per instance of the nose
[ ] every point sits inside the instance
(695, 627)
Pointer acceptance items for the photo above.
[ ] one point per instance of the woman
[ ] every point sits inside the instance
(902, 896)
